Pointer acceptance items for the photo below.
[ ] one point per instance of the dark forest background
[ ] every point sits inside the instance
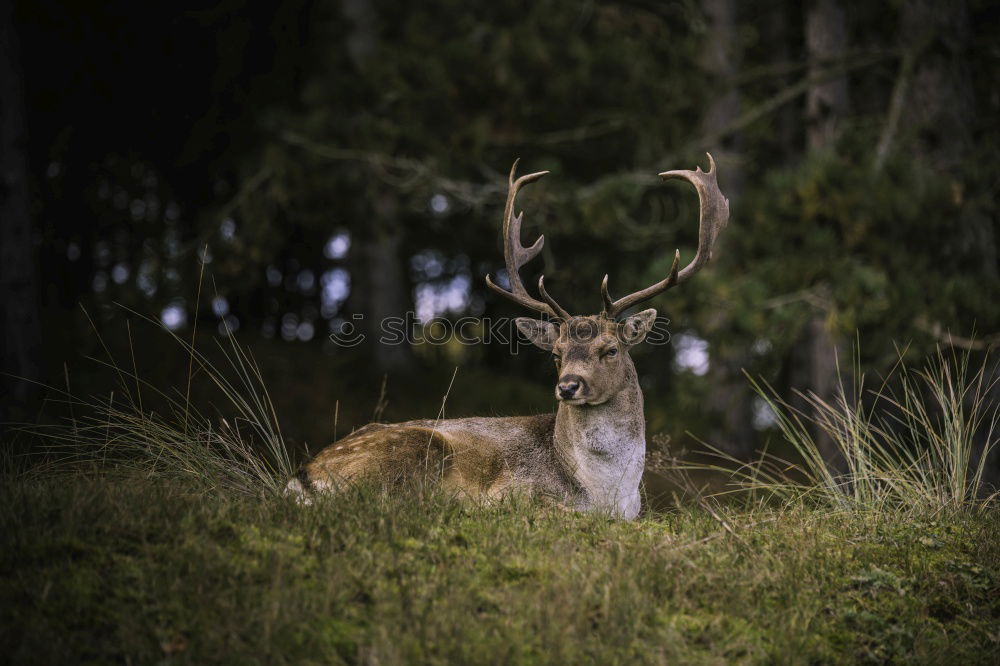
(321, 160)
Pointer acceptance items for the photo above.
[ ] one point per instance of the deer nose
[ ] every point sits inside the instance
(568, 387)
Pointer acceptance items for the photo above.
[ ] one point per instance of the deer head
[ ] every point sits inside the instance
(591, 353)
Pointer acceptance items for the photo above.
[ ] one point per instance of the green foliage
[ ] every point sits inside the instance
(879, 253)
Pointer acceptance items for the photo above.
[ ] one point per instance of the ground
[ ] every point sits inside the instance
(104, 568)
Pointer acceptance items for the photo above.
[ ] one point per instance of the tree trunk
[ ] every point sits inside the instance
(382, 287)
(778, 28)
(19, 319)
(940, 112)
(730, 402)
(722, 57)
(827, 103)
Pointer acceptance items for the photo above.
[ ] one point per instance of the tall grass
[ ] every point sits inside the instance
(918, 441)
(243, 451)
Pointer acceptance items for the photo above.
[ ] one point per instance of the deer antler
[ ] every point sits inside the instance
(516, 255)
(712, 219)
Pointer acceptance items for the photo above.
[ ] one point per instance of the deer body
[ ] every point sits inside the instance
(476, 457)
(590, 454)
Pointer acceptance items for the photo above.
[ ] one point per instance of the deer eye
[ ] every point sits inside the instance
(611, 353)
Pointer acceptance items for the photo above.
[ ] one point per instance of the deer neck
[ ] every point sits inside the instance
(603, 449)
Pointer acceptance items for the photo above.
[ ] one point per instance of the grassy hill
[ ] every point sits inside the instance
(118, 568)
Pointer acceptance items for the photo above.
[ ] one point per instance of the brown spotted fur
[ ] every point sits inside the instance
(565, 456)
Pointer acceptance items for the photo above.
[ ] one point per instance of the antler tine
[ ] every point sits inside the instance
(609, 304)
(516, 255)
(562, 314)
(712, 219)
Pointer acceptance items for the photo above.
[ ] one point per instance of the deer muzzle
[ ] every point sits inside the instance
(570, 387)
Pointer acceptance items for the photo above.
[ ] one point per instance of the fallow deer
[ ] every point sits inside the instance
(589, 454)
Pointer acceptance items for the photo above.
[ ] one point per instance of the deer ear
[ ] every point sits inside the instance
(542, 334)
(632, 330)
